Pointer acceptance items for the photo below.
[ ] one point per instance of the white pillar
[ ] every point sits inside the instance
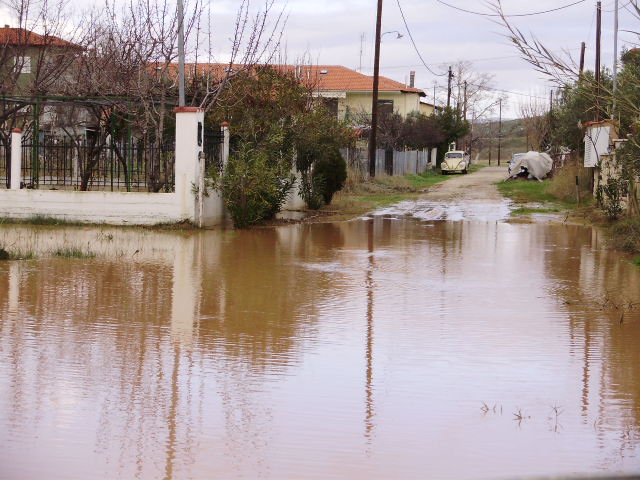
(226, 135)
(189, 144)
(16, 159)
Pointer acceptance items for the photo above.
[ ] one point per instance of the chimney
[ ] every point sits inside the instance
(412, 79)
(6, 26)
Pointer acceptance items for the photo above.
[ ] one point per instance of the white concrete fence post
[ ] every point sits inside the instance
(189, 145)
(226, 135)
(16, 159)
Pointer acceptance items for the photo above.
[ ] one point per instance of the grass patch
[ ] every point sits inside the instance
(521, 191)
(179, 225)
(16, 255)
(625, 235)
(39, 220)
(72, 252)
(636, 261)
(530, 210)
(555, 194)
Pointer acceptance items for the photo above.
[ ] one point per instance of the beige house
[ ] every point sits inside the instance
(349, 93)
(427, 108)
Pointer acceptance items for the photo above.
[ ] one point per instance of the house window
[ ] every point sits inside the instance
(22, 64)
(331, 104)
(385, 107)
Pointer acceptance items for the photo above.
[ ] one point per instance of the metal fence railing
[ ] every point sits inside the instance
(5, 162)
(79, 164)
(388, 162)
(212, 147)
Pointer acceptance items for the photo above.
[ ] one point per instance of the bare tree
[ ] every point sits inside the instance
(535, 121)
(561, 67)
(256, 40)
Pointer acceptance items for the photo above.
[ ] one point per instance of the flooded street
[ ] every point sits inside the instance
(428, 340)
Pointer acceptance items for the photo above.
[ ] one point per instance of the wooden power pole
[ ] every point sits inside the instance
(583, 47)
(598, 37)
(449, 87)
(500, 133)
(464, 110)
(374, 101)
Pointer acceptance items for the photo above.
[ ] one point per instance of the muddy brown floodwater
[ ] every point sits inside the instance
(428, 340)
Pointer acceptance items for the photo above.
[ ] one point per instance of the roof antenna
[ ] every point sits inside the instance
(361, 47)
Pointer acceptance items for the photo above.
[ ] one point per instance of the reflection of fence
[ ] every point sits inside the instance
(388, 162)
(77, 163)
(5, 159)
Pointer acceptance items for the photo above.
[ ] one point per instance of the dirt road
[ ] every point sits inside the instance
(474, 186)
(464, 197)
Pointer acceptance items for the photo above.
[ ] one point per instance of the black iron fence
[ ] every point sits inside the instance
(212, 147)
(5, 164)
(132, 165)
(79, 164)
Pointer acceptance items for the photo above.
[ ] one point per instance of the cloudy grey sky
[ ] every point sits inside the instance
(330, 32)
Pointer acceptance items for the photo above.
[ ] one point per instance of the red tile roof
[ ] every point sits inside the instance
(338, 78)
(20, 36)
(322, 77)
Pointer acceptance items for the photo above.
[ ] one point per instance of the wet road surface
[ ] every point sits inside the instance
(428, 340)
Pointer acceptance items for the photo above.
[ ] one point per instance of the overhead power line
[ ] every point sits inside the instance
(511, 15)
(472, 60)
(414, 44)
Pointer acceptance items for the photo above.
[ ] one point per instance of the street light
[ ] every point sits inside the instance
(398, 36)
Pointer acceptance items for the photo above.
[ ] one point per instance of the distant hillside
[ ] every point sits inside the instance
(513, 139)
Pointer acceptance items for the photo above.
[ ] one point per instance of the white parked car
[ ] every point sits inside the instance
(455, 161)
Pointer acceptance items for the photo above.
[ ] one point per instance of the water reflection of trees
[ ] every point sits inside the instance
(106, 323)
(604, 330)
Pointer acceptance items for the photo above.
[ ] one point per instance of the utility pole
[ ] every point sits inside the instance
(449, 87)
(598, 36)
(361, 50)
(583, 46)
(464, 110)
(500, 133)
(181, 100)
(550, 112)
(374, 101)
(434, 98)
(458, 109)
(615, 59)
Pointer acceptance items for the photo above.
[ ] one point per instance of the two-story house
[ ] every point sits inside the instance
(349, 93)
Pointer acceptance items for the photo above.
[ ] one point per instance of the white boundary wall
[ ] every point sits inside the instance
(124, 208)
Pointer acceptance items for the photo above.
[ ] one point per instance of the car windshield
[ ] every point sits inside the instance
(453, 155)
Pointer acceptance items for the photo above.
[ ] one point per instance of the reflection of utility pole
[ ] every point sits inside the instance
(374, 101)
(369, 407)
(500, 133)
(172, 423)
(449, 87)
